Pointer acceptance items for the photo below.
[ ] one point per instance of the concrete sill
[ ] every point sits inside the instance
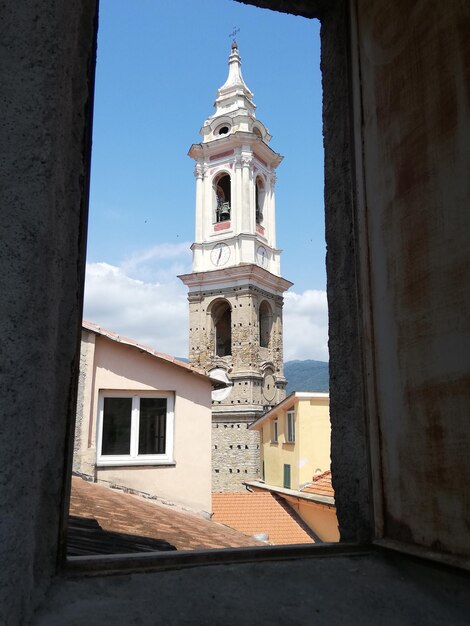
(153, 561)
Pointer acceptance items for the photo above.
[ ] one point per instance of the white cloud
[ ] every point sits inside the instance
(150, 262)
(154, 313)
(306, 325)
(143, 299)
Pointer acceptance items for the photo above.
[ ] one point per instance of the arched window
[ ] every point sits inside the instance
(260, 195)
(222, 324)
(265, 324)
(223, 194)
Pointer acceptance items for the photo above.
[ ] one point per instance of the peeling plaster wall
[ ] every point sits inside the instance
(415, 70)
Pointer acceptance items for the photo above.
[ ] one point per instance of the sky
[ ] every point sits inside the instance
(159, 66)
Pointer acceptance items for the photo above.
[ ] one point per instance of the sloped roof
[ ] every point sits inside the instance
(134, 515)
(99, 330)
(320, 485)
(261, 512)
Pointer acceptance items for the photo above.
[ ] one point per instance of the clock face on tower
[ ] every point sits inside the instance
(220, 254)
(261, 256)
(269, 387)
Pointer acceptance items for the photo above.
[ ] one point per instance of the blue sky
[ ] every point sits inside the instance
(159, 67)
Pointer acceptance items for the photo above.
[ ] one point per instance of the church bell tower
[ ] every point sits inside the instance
(235, 287)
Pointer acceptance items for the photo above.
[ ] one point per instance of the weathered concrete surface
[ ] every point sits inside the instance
(415, 68)
(46, 74)
(324, 591)
(349, 437)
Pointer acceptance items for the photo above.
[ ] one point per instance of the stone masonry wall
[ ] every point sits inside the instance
(235, 455)
(235, 449)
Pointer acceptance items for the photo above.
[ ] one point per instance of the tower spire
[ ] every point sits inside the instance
(234, 87)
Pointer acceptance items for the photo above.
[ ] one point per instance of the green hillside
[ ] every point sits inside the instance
(306, 376)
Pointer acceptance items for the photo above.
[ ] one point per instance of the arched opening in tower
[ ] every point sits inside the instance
(222, 320)
(223, 198)
(265, 324)
(260, 192)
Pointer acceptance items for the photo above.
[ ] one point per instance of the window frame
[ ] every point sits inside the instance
(290, 416)
(134, 458)
(275, 431)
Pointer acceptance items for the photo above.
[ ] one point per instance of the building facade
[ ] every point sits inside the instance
(235, 287)
(295, 440)
(143, 420)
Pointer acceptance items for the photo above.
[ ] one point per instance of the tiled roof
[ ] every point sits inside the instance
(261, 512)
(320, 485)
(125, 513)
(95, 328)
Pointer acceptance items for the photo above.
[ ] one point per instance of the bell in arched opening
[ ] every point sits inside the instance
(223, 198)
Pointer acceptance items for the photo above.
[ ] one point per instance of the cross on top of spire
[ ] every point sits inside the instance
(233, 35)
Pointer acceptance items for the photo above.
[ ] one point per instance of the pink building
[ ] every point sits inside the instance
(143, 420)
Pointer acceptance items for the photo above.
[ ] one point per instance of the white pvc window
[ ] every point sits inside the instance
(135, 429)
(290, 427)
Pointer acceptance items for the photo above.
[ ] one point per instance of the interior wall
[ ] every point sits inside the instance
(415, 92)
(46, 79)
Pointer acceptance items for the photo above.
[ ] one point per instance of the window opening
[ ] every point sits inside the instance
(223, 198)
(265, 324)
(133, 429)
(286, 482)
(260, 193)
(138, 429)
(275, 432)
(222, 321)
(290, 426)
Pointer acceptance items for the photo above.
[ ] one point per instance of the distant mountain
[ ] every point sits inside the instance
(302, 375)
(306, 376)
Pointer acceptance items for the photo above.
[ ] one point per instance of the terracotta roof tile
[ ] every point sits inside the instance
(261, 512)
(320, 485)
(125, 513)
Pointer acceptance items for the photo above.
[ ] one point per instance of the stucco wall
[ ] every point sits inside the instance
(320, 518)
(311, 450)
(314, 434)
(46, 78)
(119, 367)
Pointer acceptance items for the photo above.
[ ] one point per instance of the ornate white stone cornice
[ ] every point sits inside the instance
(237, 276)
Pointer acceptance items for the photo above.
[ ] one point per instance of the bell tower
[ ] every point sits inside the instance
(235, 287)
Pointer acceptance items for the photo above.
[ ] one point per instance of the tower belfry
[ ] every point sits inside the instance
(235, 287)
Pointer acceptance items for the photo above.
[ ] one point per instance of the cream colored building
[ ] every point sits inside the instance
(295, 459)
(295, 440)
(143, 420)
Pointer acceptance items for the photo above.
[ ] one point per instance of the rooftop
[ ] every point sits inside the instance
(109, 334)
(120, 512)
(261, 512)
(320, 485)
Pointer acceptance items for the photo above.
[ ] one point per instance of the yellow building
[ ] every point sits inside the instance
(295, 459)
(295, 440)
